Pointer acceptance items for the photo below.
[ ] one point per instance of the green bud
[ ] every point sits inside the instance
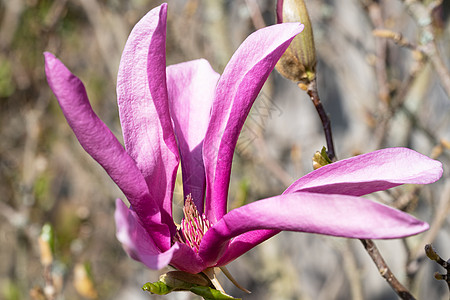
(298, 63)
(321, 159)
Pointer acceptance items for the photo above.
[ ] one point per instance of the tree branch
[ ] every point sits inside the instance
(385, 272)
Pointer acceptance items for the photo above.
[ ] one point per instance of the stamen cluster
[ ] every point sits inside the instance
(193, 226)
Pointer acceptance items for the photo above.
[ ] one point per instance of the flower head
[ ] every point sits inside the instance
(188, 114)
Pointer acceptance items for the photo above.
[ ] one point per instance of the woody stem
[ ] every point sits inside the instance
(384, 270)
(326, 124)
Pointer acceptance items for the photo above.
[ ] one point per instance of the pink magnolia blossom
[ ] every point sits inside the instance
(188, 113)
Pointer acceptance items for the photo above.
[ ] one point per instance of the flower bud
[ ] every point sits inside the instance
(298, 63)
(320, 159)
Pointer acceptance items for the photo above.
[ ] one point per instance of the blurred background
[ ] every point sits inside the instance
(378, 94)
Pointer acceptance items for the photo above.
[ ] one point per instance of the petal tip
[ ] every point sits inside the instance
(164, 6)
(48, 55)
(49, 59)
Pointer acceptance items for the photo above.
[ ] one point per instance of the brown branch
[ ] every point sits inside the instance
(326, 124)
(445, 264)
(384, 113)
(384, 270)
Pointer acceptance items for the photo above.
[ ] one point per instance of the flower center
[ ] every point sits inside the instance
(193, 226)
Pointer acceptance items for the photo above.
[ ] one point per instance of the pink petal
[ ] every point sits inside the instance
(371, 172)
(424, 170)
(96, 138)
(236, 91)
(185, 259)
(243, 243)
(191, 87)
(336, 215)
(136, 241)
(144, 108)
(139, 245)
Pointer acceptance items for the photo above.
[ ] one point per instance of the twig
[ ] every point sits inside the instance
(439, 217)
(397, 37)
(369, 245)
(326, 124)
(376, 17)
(422, 16)
(445, 264)
(384, 270)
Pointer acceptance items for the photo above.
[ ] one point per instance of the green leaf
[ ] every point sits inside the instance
(210, 294)
(159, 288)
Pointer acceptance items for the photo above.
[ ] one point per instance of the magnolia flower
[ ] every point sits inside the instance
(188, 114)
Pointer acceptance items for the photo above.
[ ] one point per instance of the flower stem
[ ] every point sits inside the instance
(326, 124)
(384, 270)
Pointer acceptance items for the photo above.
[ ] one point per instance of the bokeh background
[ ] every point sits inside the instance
(378, 94)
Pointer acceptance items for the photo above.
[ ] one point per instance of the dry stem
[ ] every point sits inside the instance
(384, 270)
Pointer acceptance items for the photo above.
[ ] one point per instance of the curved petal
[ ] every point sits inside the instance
(336, 215)
(144, 108)
(140, 246)
(236, 91)
(185, 259)
(191, 87)
(371, 172)
(136, 241)
(243, 243)
(96, 138)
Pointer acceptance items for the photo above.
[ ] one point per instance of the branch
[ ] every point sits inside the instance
(445, 264)
(385, 272)
(326, 124)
